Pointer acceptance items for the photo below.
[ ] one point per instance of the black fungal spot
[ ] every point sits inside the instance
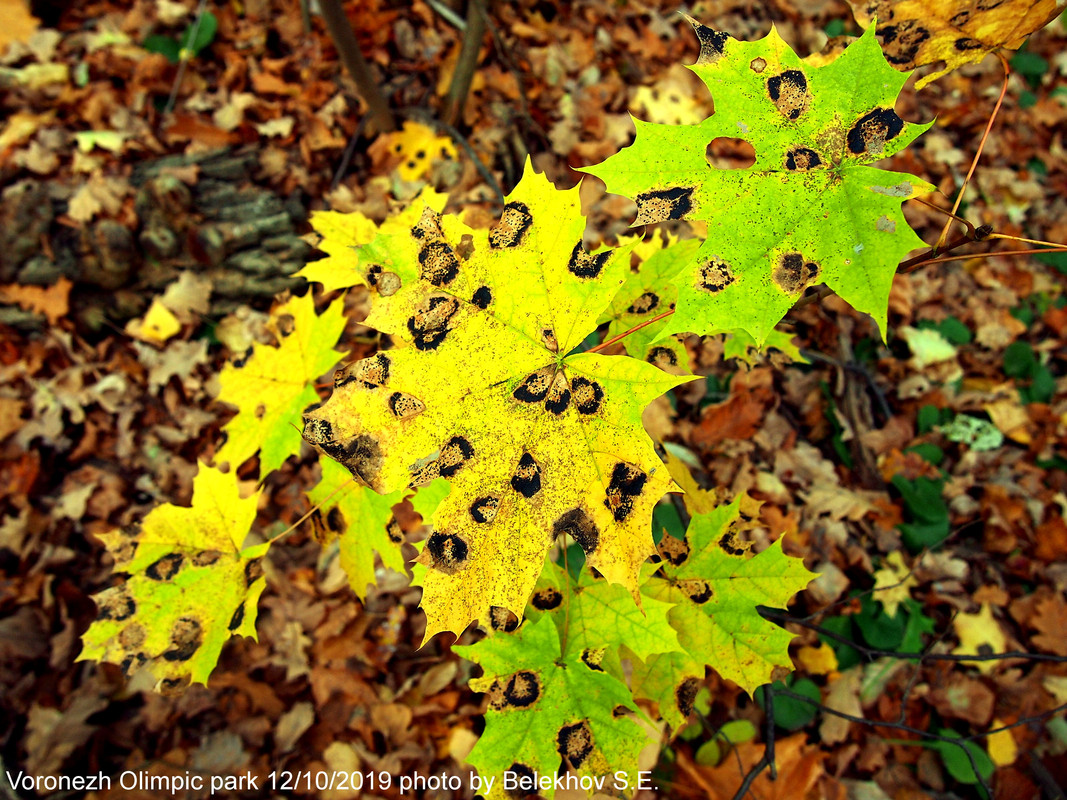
(454, 454)
(714, 275)
(619, 711)
(577, 524)
(989, 5)
(548, 339)
(394, 531)
(587, 395)
(185, 640)
(731, 543)
(482, 297)
(802, 158)
(132, 663)
(960, 19)
(663, 204)
(253, 570)
(592, 657)
(584, 264)
(335, 520)
(527, 478)
(789, 93)
(373, 272)
(873, 130)
(117, 606)
(370, 372)
(511, 229)
(502, 620)
(793, 273)
(685, 694)
(205, 558)
(627, 483)
(647, 302)
(166, 568)
(428, 227)
(698, 591)
(901, 42)
(662, 357)
(440, 266)
(522, 690)
(169, 687)
(712, 43)
(243, 358)
(534, 387)
(430, 324)
(405, 405)
(673, 550)
(286, 324)
(546, 599)
(559, 396)
(524, 777)
(237, 618)
(575, 743)
(448, 551)
(465, 248)
(483, 510)
(965, 44)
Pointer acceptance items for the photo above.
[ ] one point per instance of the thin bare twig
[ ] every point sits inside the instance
(467, 63)
(624, 334)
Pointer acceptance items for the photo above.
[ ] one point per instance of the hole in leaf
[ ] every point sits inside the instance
(727, 153)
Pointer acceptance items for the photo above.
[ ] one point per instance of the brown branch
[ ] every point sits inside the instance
(460, 86)
(344, 39)
(624, 334)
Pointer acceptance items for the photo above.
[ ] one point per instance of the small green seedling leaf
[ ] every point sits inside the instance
(979, 434)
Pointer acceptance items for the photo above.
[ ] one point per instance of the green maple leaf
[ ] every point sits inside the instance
(546, 708)
(809, 210)
(534, 442)
(595, 618)
(672, 681)
(275, 385)
(716, 594)
(364, 522)
(191, 585)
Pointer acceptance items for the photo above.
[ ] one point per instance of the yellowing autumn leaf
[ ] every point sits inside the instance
(191, 585)
(980, 634)
(158, 325)
(417, 146)
(919, 32)
(535, 442)
(273, 386)
(893, 582)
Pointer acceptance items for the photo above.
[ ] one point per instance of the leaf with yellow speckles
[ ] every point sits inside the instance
(547, 707)
(275, 385)
(534, 442)
(919, 32)
(809, 210)
(191, 585)
(716, 590)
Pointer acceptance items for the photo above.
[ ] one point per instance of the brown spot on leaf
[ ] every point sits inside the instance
(439, 264)
(132, 636)
(647, 302)
(237, 618)
(132, 663)
(394, 531)
(789, 93)
(482, 297)
(389, 283)
(663, 204)
(793, 273)
(454, 454)
(964, 44)
(587, 394)
(431, 323)
(428, 227)
(546, 599)
(584, 264)
(627, 483)
(165, 568)
(448, 551)
(405, 405)
(662, 357)
(559, 395)
(712, 43)
(253, 570)
(714, 275)
(185, 639)
(521, 690)
(534, 387)
(676, 551)
(465, 248)
(592, 657)
(511, 229)
(575, 743)
(685, 694)
(117, 605)
(502, 620)
(205, 558)
(527, 478)
(901, 42)
(361, 455)
(757, 65)
(802, 158)
(370, 373)
(579, 525)
(483, 510)
(169, 687)
(697, 590)
(873, 130)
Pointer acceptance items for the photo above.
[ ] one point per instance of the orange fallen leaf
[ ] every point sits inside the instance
(52, 301)
(19, 24)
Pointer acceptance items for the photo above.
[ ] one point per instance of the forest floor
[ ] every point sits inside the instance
(140, 248)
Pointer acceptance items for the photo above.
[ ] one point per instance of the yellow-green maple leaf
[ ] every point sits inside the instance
(534, 442)
(275, 385)
(191, 586)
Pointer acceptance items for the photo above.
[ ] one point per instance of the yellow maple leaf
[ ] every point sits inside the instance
(273, 386)
(191, 586)
(919, 32)
(980, 634)
(1002, 747)
(893, 582)
(418, 146)
(157, 326)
